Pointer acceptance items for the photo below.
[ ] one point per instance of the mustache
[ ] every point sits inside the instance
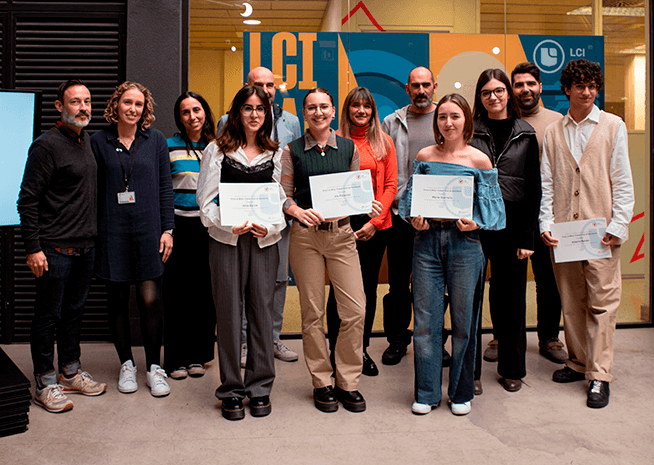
(83, 113)
(422, 96)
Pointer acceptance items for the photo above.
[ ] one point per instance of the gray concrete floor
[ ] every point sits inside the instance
(544, 423)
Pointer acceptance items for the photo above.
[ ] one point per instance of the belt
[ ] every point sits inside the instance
(441, 224)
(329, 225)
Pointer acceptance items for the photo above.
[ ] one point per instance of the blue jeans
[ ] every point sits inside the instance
(445, 258)
(60, 296)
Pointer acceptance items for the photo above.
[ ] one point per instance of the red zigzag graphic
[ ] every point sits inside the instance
(358, 6)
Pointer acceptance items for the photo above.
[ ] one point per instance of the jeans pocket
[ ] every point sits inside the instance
(471, 236)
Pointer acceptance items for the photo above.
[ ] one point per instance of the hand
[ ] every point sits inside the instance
(366, 232)
(309, 217)
(165, 246)
(420, 223)
(242, 229)
(524, 253)
(466, 224)
(37, 263)
(376, 209)
(610, 239)
(259, 231)
(548, 239)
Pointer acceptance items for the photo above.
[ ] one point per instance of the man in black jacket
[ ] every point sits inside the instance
(58, 216)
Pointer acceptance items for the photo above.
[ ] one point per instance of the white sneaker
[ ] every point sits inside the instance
(156, 381)
(461, 409)
(127, 379)
(283, 353)
(244, 354)
(423, 409)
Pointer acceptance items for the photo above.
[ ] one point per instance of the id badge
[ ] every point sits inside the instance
(126, 197)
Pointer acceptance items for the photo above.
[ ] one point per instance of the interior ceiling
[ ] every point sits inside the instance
(218, 25)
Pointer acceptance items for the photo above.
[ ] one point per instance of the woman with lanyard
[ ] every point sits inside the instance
(447, 254)
(244, 258)
(318, 245)
(190, 317)
(135, 227)
(360, 122)
(511, 145)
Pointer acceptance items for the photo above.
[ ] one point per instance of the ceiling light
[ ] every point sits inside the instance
(233, 49)
(251, 22)
(248, 10)
(608, 11)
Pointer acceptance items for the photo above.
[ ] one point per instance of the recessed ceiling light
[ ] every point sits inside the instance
(251, 22)
(233, 49)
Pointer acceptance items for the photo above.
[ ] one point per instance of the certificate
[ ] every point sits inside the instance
(438, 196)
(258, 203)
(580, 240)
(342, 194)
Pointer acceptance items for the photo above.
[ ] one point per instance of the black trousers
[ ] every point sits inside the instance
(548, 300)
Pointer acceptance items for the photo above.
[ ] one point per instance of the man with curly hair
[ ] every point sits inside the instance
(58, 219)
(586, 174)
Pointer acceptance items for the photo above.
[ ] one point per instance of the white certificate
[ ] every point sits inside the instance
(258, 203)
(580, 240)
(438, 196)
(342, 194)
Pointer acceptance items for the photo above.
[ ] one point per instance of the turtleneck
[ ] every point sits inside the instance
(358, 132)
(532, 112)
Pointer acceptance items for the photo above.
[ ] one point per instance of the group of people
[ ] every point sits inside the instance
(110, 205)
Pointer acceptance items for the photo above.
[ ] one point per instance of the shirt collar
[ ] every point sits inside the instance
(310, 142)
(592, 117)
(72, 135)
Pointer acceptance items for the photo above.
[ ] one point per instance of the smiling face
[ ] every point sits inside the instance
(495, 104)
(76, 108)
(360, 113)
(526, 90)
(318, 111)
(130, 107)
(451, 121)
(420, 89)
(192, 116)
(253, 114)
(582, 97)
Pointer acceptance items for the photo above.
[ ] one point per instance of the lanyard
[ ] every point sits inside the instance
(127, 177)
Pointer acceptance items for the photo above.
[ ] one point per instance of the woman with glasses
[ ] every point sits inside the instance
(325, 244)
(512, 147)
(243, 259)
(360, 122)
(190, 318)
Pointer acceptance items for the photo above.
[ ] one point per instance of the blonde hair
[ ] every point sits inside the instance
(111, 112)
(378, 140)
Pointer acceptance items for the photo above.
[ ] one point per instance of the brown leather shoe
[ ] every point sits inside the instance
(511, 385)
(479, 390)
(490, 354)
(553, 350)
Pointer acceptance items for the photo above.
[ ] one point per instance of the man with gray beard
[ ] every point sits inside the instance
(58, 218)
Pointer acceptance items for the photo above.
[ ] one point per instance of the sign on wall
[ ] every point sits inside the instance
(382, 62)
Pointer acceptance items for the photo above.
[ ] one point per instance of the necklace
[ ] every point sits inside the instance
(322, 149)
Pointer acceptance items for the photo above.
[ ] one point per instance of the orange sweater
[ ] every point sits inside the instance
(383, 173)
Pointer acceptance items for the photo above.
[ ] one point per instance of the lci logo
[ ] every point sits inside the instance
(549, 56)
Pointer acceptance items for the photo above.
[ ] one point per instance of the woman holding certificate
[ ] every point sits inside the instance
(360, 122)
(190, 317)
(511, 145)
(243, 258)
(447, 254)
(135, 227)
(325, 244)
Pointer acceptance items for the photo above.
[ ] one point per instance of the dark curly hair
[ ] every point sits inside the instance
(233, 135)
(111, 112)
(581, 71)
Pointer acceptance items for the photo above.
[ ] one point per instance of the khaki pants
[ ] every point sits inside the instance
(312, 252)
(590, 296)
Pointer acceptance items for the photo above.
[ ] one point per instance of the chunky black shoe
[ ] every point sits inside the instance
(233, 409)
(324, 400)
(447, 358)
(260, 406)
(351, 400)
(369, 366)
(598, 394)
(567, 375)
(394, 353)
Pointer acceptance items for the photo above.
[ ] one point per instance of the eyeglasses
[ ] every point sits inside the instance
(499, 92)
(311, 109)
(248, 109)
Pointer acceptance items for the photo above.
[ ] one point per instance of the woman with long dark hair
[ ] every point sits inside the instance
(318, 245)
(511, 145)
(243, 259)
(360, 122)
(135, 227)
(190, 317)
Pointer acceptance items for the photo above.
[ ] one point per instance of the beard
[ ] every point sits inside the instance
(529, 105)
(422, 101)
(72, 120)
